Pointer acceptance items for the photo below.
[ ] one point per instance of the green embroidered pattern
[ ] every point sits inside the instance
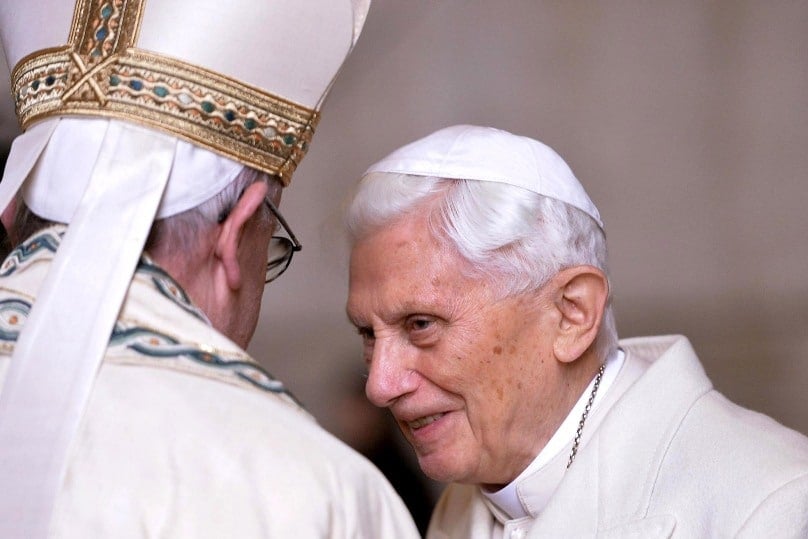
(158, 345)
(14, 311)
(168, 287)
(47, 240)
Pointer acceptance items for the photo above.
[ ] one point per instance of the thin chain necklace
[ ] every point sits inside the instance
(588, 407)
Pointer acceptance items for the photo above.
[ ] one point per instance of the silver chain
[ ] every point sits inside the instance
(588, 407)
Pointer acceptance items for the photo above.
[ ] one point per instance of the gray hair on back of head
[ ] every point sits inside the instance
(180, 233)
(513, 236)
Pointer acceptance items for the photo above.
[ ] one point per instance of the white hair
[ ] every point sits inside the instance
(180, 233)
(515, 237)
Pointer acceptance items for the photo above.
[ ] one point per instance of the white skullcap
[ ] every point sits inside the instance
(468, 152)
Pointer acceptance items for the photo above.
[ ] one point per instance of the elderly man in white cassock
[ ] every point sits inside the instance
(158, 137)
(478, 283)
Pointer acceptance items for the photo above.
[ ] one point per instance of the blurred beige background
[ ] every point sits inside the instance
(687, 122)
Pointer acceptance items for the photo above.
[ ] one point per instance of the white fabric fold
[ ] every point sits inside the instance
(58, 352)
(55, 186)
(25, 151)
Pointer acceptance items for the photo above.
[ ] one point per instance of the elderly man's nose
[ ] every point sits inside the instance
(389, 377)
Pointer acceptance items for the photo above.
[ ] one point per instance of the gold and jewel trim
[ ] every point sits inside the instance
(101, 73)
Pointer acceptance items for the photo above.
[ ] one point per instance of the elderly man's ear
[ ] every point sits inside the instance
(581, 293)
(232, 232)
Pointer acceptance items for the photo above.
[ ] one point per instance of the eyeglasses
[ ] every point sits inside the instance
(281, 248)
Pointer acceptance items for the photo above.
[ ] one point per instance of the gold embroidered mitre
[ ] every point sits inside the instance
(178, 66)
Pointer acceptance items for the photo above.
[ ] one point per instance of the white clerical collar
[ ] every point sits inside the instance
(507, 498)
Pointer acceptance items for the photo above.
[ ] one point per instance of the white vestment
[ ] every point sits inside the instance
(186, 436)
(663, 455)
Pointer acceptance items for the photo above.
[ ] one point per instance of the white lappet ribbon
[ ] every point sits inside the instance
(57, 355)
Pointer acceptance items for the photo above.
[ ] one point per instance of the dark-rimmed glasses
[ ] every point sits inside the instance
(281, 248)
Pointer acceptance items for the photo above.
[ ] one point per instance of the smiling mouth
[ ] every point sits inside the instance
(424, 421)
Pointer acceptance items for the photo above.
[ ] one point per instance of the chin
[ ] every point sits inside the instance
(445, 469)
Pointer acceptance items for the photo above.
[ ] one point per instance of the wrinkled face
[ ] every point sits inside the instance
(470, 378)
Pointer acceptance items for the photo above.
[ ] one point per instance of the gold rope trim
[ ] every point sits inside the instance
(100, 74)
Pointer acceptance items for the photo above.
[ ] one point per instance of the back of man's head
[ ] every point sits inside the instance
(134, 111)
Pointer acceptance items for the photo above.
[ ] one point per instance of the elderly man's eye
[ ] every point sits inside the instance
(367, 335)
(419, 323)
(368, 340)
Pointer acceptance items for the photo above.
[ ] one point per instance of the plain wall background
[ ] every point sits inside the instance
(687, 122)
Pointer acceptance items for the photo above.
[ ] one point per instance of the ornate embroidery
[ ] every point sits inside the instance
(101, 73)
(13, 314)
(48, 240)
(158, 345)
(167, 286)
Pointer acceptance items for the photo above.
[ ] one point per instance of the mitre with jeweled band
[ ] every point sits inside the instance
(134, 110)
(122, 59)
(101, 73)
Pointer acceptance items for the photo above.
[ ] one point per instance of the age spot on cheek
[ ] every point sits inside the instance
(497, 350)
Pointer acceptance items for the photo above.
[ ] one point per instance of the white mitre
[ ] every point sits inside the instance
(131, 110)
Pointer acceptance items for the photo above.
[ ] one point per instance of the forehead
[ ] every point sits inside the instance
(401, 265)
